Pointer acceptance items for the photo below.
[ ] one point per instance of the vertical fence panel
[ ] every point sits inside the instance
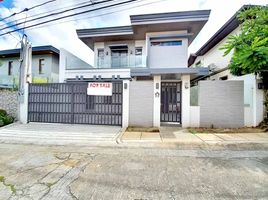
(69, 103)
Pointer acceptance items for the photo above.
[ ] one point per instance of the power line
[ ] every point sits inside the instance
(90, 17)
(67, 16)
(50, 11)
(57, 13)
(27, 9)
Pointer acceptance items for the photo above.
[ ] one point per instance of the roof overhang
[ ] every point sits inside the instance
(163, 71)
(190, 21)
(39, 50)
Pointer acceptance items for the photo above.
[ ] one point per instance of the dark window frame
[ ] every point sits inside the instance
(41, 65)
(10, 68)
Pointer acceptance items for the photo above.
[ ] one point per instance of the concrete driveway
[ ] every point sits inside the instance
(30, 172)
(58, 134)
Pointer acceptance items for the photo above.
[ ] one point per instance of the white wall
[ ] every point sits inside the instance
(185, 101)
(194, 116)
(50, 67)
(167, 56)
(215, 55)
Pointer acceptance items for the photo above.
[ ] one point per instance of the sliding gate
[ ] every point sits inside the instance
(69, 103)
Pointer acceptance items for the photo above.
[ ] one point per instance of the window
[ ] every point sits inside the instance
(100, 57)
(138, 51)
(41, 66)
(138, 56)
(167, 43)
(10, 66)
(223, 78)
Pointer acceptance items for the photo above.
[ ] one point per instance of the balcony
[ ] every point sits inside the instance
(121, 62)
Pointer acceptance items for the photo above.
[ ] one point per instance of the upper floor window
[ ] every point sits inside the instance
(138, 51)
(101, 57)
(10, 66)
(41, 66)
(138, 56)
(167, 43)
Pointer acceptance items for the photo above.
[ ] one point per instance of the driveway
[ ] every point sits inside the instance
(67, 172)
(58, 134)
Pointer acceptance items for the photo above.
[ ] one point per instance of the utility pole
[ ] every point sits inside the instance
(25, 77)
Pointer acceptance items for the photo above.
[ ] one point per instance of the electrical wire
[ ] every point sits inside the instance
(57, 13)
(43, 13)
(71, 15)
(27, 9)
(90, 17)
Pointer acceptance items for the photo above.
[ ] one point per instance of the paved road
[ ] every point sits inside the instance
(62, 173)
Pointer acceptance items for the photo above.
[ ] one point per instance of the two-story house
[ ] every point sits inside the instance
(45, 65)
(210, 55)
(150, 58)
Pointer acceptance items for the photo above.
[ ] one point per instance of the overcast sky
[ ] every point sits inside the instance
(63, 35)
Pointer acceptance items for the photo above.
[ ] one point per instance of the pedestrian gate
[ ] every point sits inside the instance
(69, 103)
(170, 102)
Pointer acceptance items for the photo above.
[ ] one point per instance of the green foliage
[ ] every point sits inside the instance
(5, 119)
(250, 47)
(3, 112)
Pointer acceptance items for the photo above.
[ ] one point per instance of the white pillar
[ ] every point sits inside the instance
(62, 65)
(157, 101)
(125, 114)
(23, 105)
(185, 101)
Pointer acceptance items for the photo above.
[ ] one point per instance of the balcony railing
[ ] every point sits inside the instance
(118, 62)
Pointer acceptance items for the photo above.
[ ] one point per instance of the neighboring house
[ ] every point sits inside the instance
(210, 55)
(45, 66)
(150, 58)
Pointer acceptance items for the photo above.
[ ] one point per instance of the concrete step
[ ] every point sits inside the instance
(57, 134)
(55, 137)
(54, 142)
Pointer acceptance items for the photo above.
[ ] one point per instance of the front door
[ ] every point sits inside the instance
(171, 102)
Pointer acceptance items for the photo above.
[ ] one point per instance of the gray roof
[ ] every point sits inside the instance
(170, 16)
(192, 21)
(120, 30)
(36, 50)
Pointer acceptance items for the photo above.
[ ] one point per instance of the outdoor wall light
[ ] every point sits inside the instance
(107, 53)
(186, 85)
(157, 86)
(125, 86)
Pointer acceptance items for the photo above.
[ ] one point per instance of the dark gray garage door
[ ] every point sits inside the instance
(69, 103)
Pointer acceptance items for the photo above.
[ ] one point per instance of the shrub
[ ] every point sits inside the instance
(5, 119)
(3, 112)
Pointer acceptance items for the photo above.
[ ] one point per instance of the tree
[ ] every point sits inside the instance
(250, 47)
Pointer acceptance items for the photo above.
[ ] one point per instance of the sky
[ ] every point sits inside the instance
(62, 34)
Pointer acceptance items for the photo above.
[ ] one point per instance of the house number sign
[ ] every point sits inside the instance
(100, 89)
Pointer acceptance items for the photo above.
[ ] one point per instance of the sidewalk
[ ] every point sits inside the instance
(179, 135)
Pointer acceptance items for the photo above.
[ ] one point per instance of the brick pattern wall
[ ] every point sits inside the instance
(9, 101)
(221, 104)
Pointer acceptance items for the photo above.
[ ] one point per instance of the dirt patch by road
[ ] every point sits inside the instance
(226, 130)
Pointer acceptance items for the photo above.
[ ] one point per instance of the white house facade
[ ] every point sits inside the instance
(210, 55)
(149, 58)
(45, 66)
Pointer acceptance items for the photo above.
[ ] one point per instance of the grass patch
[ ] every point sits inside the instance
(226, 130)
(143, 129)
(11, 186)
(51, 184)
(192, 131)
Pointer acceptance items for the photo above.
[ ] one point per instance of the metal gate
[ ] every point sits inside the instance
(170, 102)
(69, 103)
